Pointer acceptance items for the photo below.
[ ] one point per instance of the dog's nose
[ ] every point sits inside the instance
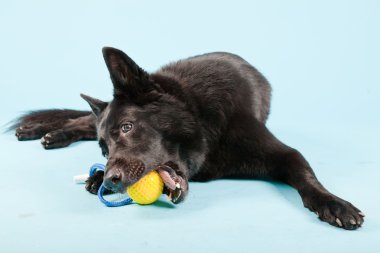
(113, 182)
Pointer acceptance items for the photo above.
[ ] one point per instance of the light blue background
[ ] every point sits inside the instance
(321, 57)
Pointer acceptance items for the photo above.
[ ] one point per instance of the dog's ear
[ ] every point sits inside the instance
(129, 80)
(96, 105)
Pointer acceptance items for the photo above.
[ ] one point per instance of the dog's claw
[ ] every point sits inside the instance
(45, 141)
(338, 222)
(361, 214)
(175, 195)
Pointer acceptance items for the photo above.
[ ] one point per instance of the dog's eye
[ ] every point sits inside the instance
(126, 127)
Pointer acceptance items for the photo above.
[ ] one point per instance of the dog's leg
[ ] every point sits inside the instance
(82, 128)
(285, 164)
(290, 167)
(261, 155)
(58, 128)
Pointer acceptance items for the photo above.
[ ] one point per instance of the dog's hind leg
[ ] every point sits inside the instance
(58, 128)
(290, 167)
(82, 128)
(256, 153)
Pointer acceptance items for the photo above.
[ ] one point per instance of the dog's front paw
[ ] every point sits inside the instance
(176, 184)
(336, 211)
(94, 182)
(178, 193)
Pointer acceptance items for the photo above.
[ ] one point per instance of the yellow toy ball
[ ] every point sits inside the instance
(147, 190)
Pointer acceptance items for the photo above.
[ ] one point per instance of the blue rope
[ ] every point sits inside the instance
(100, 167)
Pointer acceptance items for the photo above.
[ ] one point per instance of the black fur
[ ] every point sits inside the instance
(56, 128)
(199, 119)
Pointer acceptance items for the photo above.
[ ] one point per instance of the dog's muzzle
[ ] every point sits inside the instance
(121, 173)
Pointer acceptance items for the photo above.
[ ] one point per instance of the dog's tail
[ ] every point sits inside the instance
(41, 120)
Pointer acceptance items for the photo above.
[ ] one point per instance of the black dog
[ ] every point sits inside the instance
(199, 119)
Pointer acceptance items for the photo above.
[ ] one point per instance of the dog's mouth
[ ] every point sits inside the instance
(175, 182)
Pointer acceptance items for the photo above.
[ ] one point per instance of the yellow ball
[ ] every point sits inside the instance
(147, 190)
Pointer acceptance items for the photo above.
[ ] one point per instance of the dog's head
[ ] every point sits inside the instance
(143, 127)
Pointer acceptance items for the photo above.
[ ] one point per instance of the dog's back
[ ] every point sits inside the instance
(222, 81)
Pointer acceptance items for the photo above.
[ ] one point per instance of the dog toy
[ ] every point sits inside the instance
(145, 191)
